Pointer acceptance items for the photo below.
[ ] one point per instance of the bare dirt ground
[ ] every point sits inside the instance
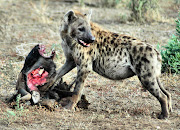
(114, 104)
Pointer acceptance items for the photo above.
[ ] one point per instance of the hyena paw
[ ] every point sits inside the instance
(70, 106)
(163, 116)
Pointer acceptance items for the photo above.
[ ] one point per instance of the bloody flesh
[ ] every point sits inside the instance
(36, 78)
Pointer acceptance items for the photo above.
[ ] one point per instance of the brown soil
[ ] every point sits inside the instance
(113, 104)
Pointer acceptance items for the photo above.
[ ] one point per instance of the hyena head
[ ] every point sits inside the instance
(77, 26)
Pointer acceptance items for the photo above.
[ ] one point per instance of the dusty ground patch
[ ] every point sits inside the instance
(114, 104)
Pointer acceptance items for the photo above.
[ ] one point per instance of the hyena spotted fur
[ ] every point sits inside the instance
(89, 47)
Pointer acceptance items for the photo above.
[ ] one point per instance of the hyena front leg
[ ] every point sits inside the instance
(81, 76)
(68, 66)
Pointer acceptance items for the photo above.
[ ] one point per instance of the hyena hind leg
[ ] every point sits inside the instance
(152, 86)
(166, 93)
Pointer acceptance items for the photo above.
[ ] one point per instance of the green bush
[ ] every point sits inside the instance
(177, 1)
(171, 54)
(178, 27)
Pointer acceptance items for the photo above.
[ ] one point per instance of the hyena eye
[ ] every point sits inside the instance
(82, 29)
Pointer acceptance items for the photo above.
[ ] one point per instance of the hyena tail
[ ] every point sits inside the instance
(166, 93)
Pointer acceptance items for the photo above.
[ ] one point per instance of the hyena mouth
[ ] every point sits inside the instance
(42, 52)
(83, 43)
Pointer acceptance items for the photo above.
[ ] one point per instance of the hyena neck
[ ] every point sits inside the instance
(100, 33)
(70, 42)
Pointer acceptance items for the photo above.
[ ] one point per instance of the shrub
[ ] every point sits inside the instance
(140, 8)
(171, 54)
(177, 1)
(100, 3)
(109, 3)
(178, 27)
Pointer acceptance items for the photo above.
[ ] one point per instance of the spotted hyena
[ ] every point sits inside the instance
(89, 47)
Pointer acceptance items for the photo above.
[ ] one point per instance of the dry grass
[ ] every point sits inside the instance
(114, 104)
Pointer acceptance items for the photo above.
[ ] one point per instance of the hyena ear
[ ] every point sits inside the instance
(89, 15)
(69, 17)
